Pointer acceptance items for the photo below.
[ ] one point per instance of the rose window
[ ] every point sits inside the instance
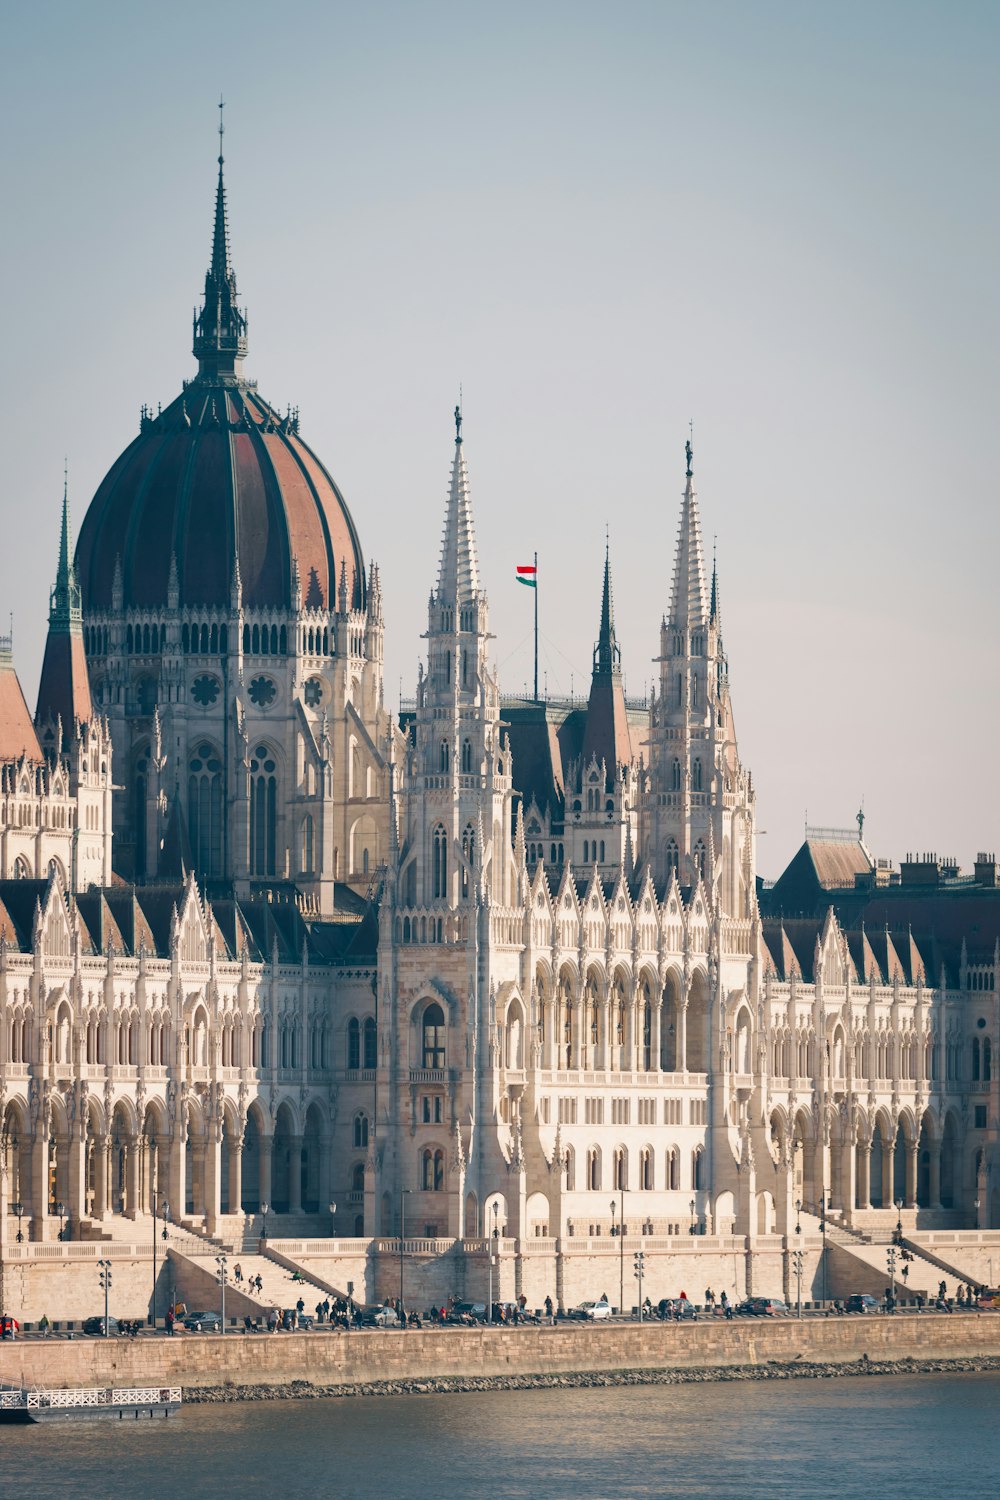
(205, 690)
(262, 691)
(313, 692)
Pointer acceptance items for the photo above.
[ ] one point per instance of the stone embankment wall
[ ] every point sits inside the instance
(341, 1359)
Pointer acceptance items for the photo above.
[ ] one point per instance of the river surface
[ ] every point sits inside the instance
(918, 1437)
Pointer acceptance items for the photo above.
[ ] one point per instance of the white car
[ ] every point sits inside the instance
(593, 1310)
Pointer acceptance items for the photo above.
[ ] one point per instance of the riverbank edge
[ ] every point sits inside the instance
(447, 1385)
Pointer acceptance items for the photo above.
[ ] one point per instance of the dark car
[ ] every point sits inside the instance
(305, 1320)
(203, 1322)
(769, 1307)
(467, 1312)
(95, 1326)
(860, 1302)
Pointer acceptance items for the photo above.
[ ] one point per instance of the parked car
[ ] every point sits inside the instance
(203, 1322)
(379, 1317)
(467, 1312)
(674, 1308)
(770, 1307)
(305, 1320)
(95, 1326)
(989, 1299)
(860, 1302)
(592, 1310)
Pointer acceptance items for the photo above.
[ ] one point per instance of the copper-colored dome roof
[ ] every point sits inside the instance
(218, 475)
(219, 478)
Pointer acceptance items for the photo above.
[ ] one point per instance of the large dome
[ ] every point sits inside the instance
(218, 479)
(218, 476)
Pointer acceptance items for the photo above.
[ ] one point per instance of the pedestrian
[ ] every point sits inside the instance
(170, 1320)
(708, 1298)
(548, 1311)
(43, 1326)
(238, 1273)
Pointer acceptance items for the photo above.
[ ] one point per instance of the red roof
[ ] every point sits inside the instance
(219, 463)
(17, 733)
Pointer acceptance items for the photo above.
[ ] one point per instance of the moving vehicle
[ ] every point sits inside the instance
(203, 1322)
(95, 1327)
(592, 1310)
(860, 1302)
(379, 1317)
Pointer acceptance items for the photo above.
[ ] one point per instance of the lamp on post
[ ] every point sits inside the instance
(17, 1209)
(263, 1213)
(104, 1276)
(899, 1221)
(61, 1211)
(890, 1256)
(797, 1263)
(975, 1205)
(640, 1261)
(333, 1219)
(403, 1194)
(222, 1261)
(694, 1217)
(164, 1215)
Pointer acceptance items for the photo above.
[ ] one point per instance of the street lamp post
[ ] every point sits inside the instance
(694, 1218)
(263, 1213)
(797, 1263)
(640, 1261)
(164, 1214)
(492, 1246)
(222, 1261)
(890, 1256)
(333, 1219)
(61, 1211)
(403, 1195)
(17, 1209)
(104, 1273)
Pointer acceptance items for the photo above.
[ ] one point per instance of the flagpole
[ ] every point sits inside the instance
(536, 627)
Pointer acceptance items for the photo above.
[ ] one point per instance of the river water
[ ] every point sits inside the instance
(918, 1437)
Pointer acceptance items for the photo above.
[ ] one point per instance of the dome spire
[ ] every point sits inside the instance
(220, 329)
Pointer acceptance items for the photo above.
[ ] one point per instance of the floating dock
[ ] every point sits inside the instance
(124, 1404)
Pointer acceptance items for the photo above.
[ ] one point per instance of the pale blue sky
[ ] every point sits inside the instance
(778, 219)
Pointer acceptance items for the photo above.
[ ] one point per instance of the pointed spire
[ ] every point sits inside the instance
(64, 688)
(607, 656)
(458, 576)
(220, 329)
(714, 612)
(687, 600)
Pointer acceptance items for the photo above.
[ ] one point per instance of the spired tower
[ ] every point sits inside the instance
(454, 881)
(234, 638)
(697, 811)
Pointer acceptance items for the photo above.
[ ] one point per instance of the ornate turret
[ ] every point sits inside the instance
(608, 738)
(64, 689)
(220, 329)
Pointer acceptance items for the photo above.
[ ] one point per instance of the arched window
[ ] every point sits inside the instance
(371, 1044)
(432, 1171)
(675, 775)
(699, 860)
(469, 851)
(696, 775)
(987, 1060)
(466, 758)
(673, 1169)
(440, 863)
(444, 756)
(361, 1130)
(673, 860)
(621, 1169)
(594, 1170)
(433, 1031)
(205, 810)
(646, 1169)
(263, 813)
(975, 1059)
(307, 844)
(354, 1043)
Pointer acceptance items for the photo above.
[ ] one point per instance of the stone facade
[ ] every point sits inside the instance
(422, 976)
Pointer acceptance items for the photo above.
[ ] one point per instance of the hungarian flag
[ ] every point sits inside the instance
(528, 575)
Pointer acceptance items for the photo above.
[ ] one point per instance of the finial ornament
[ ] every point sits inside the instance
(222, 128)
(458, 424)
(689, 455)
(861, 822)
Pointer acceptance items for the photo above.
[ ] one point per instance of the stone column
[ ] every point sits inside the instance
(177, 1174)
(605, 1052)
(76, 1189)
(294, 1174)
(39, 1179)
(212, 1177)
(888, 1155)
(654, 1039)
(101, 1149)
(682, 1036)
(864, 1187)
(236, 1176)
(132, 1205)
(910, 1193)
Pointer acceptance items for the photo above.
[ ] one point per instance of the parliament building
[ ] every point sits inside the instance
(501, 966)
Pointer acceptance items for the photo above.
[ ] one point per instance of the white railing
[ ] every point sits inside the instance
(127, 1396)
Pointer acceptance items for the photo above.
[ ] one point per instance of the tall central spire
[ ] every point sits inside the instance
(607, 656)
(458, 576)
(220, 329)
(688, 602)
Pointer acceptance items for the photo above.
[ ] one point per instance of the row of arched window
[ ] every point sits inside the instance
(979, 979)
(259, 640)
(96, 640)
(204, 639)
(594, 1175)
